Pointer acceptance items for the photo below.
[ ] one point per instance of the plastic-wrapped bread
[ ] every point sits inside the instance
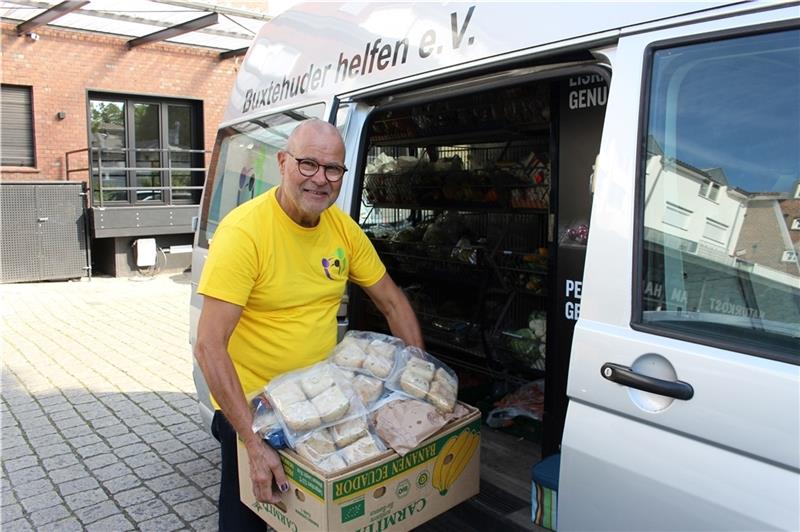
(331, 404)
(349, 356)
(357, 339)
(316, 382)
(379, 365)
(286, 394)
(318, 446)
(330, 397)
(423, 368)
(414, 384)
(422, 376)
(442, 396)
(381, 348)
(349, 431)
(301, 416)
(347, 374)
(367, 388)
(331, 464)
(444, 377)
(362, 449)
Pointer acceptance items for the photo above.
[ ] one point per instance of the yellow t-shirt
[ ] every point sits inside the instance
(288, 279)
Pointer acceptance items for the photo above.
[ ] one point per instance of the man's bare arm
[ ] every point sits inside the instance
(394, 305)
(218, 319)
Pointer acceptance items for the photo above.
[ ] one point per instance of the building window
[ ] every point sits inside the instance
(749, 299)
(145, 150)
(709, 190)
(715, 231)
(16, 120)
(676, 216)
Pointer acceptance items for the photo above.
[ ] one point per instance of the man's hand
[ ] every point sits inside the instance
(265, 465)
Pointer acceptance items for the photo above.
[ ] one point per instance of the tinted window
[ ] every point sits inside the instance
(721, 174)
(244, 163)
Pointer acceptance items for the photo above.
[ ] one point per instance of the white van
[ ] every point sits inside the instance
(604, 198)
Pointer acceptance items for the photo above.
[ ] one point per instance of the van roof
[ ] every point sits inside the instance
(313, 52)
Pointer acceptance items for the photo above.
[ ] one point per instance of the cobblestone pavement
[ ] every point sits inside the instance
(100, 429)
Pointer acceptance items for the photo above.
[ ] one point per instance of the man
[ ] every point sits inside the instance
(272, 284)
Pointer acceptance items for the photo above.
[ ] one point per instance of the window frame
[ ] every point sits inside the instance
(789, 255)
(201, 234)
(197, 134)
(34, 159)
(714, 224)
(637, 285)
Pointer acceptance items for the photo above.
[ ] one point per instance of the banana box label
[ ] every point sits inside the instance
(451, 453)
(392, 493)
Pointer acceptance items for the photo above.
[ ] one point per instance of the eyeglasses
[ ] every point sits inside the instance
(309, 168)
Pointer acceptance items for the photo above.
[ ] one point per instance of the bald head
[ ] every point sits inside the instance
(315, 131)
(304, 196)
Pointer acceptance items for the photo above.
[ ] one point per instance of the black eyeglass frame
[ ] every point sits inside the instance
(301, 160)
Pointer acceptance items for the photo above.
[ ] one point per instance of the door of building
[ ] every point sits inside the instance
(139, 150)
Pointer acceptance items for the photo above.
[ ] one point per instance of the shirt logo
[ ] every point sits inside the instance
(336, 264)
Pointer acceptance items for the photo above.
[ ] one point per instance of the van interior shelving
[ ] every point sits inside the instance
(456, 198)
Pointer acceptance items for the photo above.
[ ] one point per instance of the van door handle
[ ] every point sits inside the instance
(627, 377)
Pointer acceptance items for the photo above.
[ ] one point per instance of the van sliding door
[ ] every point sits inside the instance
(684, 385)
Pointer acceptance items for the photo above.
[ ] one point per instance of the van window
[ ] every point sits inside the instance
(719, 256)
(244, 163)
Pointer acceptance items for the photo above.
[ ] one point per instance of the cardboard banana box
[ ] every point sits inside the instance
(389, 493)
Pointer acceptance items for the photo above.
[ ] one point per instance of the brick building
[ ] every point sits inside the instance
(102, 94)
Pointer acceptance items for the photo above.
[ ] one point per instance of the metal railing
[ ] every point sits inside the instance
(162, 192)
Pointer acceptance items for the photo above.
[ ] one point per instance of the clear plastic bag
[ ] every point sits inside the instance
(527, 401)
(403, 423)
(364, 449)
(318, 396)
(348, 443)
(423, 376)
(265, 421)
(369, 353)
(264, 417)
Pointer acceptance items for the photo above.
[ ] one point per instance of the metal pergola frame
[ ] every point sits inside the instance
(50, 15)
(229, 30)
(178, 29)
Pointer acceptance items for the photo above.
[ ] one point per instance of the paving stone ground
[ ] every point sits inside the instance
(100, 429)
